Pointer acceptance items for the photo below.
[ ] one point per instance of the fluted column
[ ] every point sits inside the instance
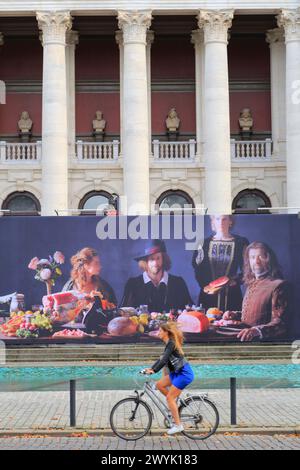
(54, 122)
(72, 39)
(135, 115)
(290, 21)
(119, 41)
(275, 38)
(215, 25)
(149, 39)
(197, 38)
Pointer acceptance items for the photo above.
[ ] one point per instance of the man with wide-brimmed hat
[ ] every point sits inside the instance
(156, 288)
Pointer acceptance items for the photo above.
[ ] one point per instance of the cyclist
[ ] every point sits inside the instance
(180, 372)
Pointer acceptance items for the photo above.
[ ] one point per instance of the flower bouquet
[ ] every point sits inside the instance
(48, 270)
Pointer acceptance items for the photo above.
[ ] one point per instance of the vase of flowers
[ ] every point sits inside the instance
(48, 270)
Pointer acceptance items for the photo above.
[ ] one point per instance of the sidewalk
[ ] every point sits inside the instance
(257, 408)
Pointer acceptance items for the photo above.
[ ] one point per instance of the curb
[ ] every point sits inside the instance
(83, 433)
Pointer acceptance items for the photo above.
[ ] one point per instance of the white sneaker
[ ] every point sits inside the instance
(175, 429)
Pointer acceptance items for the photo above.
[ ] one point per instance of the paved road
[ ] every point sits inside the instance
(220, 442)
(21, 411)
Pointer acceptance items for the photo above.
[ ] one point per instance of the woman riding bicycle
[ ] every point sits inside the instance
(180, 375)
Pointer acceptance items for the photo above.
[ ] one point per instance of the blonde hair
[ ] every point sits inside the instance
(78, 261)
(175, 334)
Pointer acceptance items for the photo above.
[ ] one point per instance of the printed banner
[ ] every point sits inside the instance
(115, 279)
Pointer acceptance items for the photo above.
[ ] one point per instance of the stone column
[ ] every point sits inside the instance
(290, 21)
(150, 39)
(54, 122)
(135, 128)
(215, 24)
(275, 37)
(71, 42)
(119, 41)
(197, 38)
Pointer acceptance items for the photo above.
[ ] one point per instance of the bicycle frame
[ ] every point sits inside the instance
(160, 405)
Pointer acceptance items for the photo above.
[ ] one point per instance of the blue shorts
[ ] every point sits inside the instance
(183, 377)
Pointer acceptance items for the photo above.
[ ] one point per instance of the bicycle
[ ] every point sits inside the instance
(131, 418)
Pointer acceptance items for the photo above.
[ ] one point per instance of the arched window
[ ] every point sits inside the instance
(98, 202)
(175, 202)
(249, 200)
(21, 203)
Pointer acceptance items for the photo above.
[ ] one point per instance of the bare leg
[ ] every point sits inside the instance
(163, 384)
(173, 393)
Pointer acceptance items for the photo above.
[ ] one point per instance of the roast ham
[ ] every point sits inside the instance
(193, 322)
(66, 305)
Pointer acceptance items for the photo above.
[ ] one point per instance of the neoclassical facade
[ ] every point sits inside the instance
(229, 70)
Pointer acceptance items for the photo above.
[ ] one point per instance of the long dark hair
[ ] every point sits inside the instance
(274, 267)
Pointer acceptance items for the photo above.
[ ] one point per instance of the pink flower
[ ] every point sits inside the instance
(45, 274)
(59, 257)
(33, 263)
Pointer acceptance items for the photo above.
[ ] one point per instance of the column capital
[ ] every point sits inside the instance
(290, 21)
(274, 36)
(1, 39)
(215, 24)
(72, 38)
(150, 37)
(134, 25)
(197, 37)
(119, 38)
(54, 26)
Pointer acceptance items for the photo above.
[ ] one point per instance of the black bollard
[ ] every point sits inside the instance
(233, 400)
(72, 403)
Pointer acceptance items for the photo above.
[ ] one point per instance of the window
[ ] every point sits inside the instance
(21, 203)
(100, 201)
(249, 200)
(175, 202)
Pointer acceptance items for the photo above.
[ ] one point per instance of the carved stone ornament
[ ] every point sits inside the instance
(25, 123)
(134, 25)
(246, 120)
(54, 26)
(274, 36)
(215, 24)
(99, 123)
(172, 121)
(290, 21)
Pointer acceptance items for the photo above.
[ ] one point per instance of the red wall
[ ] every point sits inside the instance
(88, 103)
(21, 59)
(248, 58)
(185, 107)
(97, 59)
(15, 104)
(260, 104)
(172, 58)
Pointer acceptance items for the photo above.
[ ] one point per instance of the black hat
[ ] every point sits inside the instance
(154, 246)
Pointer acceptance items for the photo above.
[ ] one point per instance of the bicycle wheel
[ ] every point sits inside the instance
(199, 417)
(131, 419)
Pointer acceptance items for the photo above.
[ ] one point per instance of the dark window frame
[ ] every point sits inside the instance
(15, 194)
(256, 192)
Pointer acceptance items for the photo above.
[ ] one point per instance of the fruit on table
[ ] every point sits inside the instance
(12, 325)
(213, 314)
(122, 326)
(34, 325)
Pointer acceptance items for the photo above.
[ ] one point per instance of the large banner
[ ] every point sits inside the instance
(116, 279)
